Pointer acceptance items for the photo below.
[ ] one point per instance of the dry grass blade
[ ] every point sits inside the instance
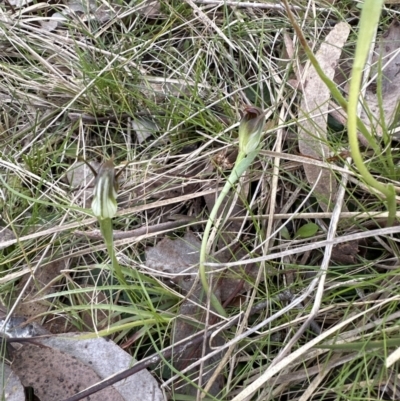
(315, 245)
(301, 351)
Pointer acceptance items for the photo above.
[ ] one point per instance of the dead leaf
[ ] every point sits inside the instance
(76, 7)
(66, 364)
(289, 52)
(388, 50)
(345, 253)
(178, 258)
(107, 358)
(84, 10)
(313, 109)
(17, 327)
(55, 375)
(159, 89)
(51, 24)
(80, 175)
(29, 307)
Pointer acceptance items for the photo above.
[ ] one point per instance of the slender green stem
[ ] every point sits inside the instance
(335, 92)
(368, 22)
(241, 165)
(107, 231)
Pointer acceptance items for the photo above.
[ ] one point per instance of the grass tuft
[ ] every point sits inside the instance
(186, 73)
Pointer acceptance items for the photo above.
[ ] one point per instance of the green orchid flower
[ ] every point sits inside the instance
(104, 204)
(104, 207)
(250, 129)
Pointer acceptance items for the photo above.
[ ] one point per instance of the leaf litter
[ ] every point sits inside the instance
(175, 259)
(59, 366)
(55, 375)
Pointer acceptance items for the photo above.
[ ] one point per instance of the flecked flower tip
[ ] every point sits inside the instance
(104, 204)
(250, 129)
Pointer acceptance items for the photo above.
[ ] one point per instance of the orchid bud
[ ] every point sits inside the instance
(250, 129)
(104, 204)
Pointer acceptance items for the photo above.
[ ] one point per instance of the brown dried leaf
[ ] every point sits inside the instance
(107, 358)
(51, 24)
(144, 128)
(290, 51)
(30, 308)
(345, 253)
(80, 177)
(315, 101)
(90, 10)
(178, 257)
(160, 89)
(55, 375)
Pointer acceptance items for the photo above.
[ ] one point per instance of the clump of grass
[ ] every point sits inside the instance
(76, 90)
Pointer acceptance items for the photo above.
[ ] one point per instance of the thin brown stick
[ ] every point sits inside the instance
(169, 225)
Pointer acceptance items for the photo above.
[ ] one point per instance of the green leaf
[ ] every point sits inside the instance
(307, 231)
(285, 233)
